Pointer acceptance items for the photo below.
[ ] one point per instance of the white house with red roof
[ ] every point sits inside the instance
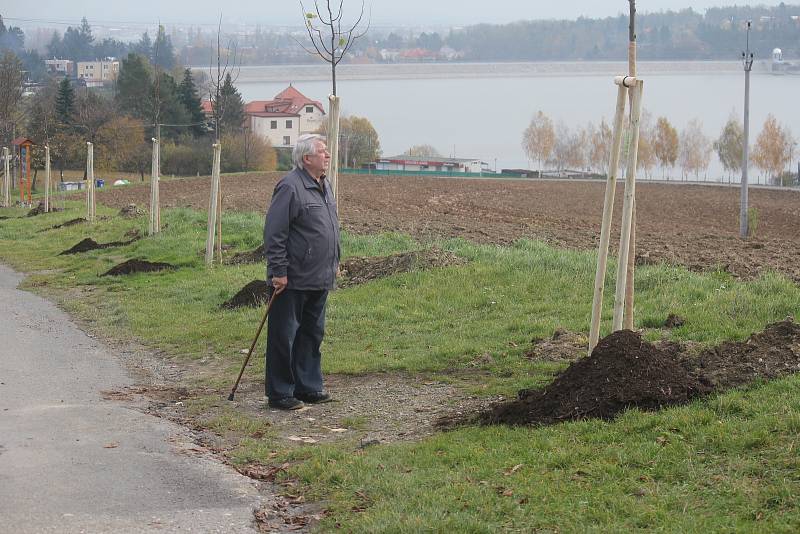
(286, 117)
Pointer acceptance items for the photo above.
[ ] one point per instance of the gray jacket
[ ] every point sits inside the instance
(301, 233)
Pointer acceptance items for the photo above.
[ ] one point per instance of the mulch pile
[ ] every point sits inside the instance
(252, 256)
(359, 270)
(624, 371)
(85, 245)
(254, 293)
(137, 266)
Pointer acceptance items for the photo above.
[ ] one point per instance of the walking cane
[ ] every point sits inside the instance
(255, 339)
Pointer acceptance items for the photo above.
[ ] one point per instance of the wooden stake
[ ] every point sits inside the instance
(333, 144)
(155, 216)
(212, 207)
(6, 179)
(90, 206)
(219, 217)
(46, 179)
(627, 207)
(629, 286)
(608, 211)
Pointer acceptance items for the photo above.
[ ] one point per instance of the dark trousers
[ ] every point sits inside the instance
(295, 328)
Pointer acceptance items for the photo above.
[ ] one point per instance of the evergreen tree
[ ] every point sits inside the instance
(163, 52)
(65, 101)
(230, 108)
(187, 92)
(144, 47)
(135, 88)
(170, 108)
(11, 38)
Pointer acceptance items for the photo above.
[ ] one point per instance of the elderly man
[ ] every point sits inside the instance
(301, 239)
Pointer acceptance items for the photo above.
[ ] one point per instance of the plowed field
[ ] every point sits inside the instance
(692, 225)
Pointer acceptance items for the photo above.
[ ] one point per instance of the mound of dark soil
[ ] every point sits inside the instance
(254, 293)
(253, 256)
(70, 222)
(766, 355)
(623, 371)
(359, 270)
(38, 210)
(137, 266)
(85, 245)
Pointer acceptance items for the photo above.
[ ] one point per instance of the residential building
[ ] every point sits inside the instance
(409, 163)
(95, 73)
(65, 67)
(286, 117)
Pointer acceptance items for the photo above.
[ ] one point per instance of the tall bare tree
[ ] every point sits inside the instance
(10, 95)
(331, 36)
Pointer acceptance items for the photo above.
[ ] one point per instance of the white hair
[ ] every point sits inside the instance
(306, 145)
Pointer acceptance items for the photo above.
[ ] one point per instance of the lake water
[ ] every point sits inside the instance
(481, 110)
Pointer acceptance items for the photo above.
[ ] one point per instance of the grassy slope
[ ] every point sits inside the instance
(728, 463)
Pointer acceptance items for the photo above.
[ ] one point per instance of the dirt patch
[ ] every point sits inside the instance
(137, 266)
(624, 371)
(360, 270)
(254, 294)
(252, 256)
(563, 346)
(130, 212)
(87, 244)
(674, 321)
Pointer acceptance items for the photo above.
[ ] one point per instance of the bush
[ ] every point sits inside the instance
(244, 151)
(187, 159)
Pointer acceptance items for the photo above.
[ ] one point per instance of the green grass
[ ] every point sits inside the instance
(728, 463)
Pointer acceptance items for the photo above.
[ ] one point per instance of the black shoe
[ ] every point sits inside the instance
(286, 403)
(315, 397)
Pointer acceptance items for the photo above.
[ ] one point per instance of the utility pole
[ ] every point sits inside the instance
(747, 62)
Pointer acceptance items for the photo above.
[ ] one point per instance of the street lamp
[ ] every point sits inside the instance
(747, 62)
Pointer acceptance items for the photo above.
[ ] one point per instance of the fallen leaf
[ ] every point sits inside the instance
(112, 445)
(512, 470)
(338, 429)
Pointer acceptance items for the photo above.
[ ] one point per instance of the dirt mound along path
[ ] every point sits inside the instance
(254, 293)
(360, 270)
(137, 266)
(87, 244)
(625, 371)
(253, 256)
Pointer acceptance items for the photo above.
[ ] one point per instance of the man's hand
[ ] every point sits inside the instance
(279, 283)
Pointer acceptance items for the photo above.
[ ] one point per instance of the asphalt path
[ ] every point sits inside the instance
(71, 461)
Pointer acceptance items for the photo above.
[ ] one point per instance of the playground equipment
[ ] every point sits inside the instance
(633, 87)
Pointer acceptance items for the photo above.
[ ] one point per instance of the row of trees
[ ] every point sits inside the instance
(660, 144)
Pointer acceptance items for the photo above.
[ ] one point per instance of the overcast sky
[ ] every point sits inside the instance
(287, 12)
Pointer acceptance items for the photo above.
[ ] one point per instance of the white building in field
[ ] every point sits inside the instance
(410, 163)
(286, 117)
(97, 72)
